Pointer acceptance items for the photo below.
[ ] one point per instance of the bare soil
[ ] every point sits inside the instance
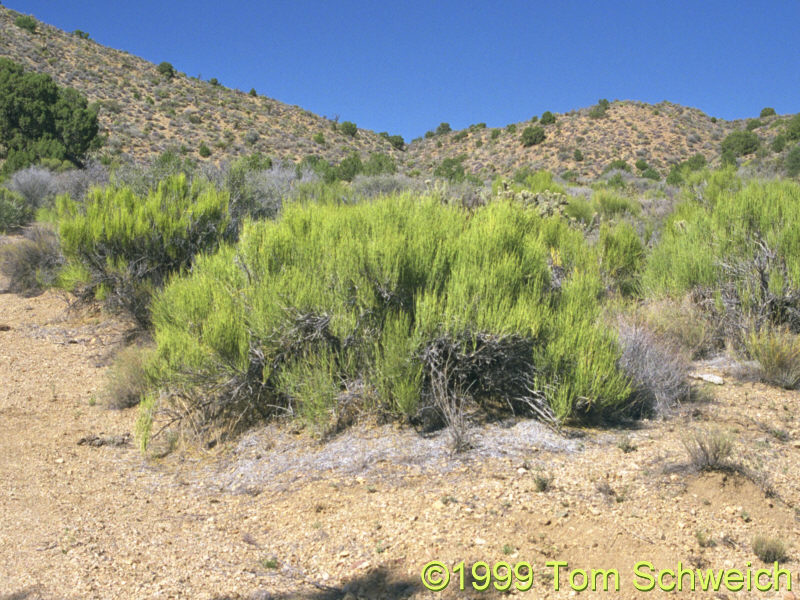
(279, 514)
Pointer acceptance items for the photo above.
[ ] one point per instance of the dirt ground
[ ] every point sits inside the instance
(277, 514)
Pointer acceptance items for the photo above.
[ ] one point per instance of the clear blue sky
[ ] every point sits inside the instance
(404, 67)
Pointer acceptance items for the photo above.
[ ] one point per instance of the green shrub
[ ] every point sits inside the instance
(580, 210)
(166, 69)
(402, 294)
(349, 167)
(651, 173)
(204, 150)
(253, 92)
(611, 204)
(641, 164)
(532, 136)
(214, 81)
(495, 133)
(461, 135)
(547, 118)
(779, 143)
(511, 128)
(379, 163)
(397, 141)
(121, 247)
(26, 22)
(81, 34)
(743, 240)
(443, 128)
(127, 379)
(14, 211)
(753, 124)
(622, 256)
(617, 164)
(793, 128)
(577, 155)
(319, 138)
(452, 169)
(349, 128)
(740, 143)
(41, 121)
(767, 112)
(793, 162)
(600, 109)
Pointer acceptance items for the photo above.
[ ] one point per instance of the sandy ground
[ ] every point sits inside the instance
(277, 514)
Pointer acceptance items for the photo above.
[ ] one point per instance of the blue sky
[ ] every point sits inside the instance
(404, 67)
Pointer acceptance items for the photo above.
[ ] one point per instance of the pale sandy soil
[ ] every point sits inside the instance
(276, 514)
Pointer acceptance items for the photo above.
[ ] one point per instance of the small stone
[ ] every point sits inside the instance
(59, 461)
(479, 541)
(710, 378)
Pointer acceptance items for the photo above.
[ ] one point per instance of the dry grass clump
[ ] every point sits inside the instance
(127, 379)
(777, 351)
(709, 450)
(32, 263)
(769, 550)
(680, 323)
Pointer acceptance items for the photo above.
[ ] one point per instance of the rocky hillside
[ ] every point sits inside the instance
(143, 112)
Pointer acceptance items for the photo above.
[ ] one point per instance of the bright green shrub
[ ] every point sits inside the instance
(577, 155)
(610, 204)
(580, 210)
(767, 112)
(329, 296)
(725, 228)
(122, 247)
(26, 22)
(379, 163)
(622, 256)
(204, 150)
(166, 69)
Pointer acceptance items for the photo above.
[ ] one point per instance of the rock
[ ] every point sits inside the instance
(709, 377)
(4, 327)
(479, 541)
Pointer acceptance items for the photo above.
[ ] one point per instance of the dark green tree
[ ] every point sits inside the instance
(532, 136)
(740, 143)
(547, 118)
(39, 120)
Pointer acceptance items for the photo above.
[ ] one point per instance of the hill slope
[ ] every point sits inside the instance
(144, 113)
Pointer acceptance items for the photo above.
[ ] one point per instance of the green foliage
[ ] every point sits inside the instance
(349, 128)
(724, 228)
(329, 296)
(611, 204)
(547, 118)
(778, 354)
(123, 246)
(461, 135)
(617, 164)
(641, 164)
(396, 141)
(577, 155)
(793, 162)
(452, 169)
(622, 256)
(253, 92)
(532, 136)
(753, 124)
(39, 120)
(679, 172)
(536, 181)
(511, 128)
(166, 69)
(581, 210)
(81, 34)
(319, 138)
(349, 167)
(779, 143)
(14, 211)
(204, 150)
(443, 128)
(600, 109)
(740, 143)
(767, 112)
(793, 128)
(651, 173)
(379, 163)
(495, 133)
(26, 22)
(214, 81)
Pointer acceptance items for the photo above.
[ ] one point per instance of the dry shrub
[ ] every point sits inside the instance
(682, 324)
(709, 450)
(656, 368)
(32, 263)
(769, 550)
(777, 351)
(127, 379)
